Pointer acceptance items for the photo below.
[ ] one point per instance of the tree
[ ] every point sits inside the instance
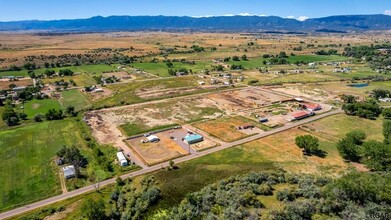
(71, 110)
(49, 73)
(376, 155)
(54, 114)
(235, 58)
(22, 115)
(349, 98)
(244, 57)
(93, 210)
(169, 64)
(387, 131)
(65, 72)
(387, 113)
(10, 116)
(38, 117)
(309, 143)
(349, 146)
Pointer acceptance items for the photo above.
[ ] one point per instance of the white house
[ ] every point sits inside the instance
(69, 172)
(121, 159)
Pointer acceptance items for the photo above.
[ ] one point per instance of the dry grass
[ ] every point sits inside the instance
(225, 128)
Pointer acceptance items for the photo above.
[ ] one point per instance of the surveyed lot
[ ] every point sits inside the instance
(226, 128)
(27, 170)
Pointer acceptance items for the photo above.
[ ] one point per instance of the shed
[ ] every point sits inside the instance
(122, 159)
(69, 172)
(193, 138)
(153, 138)
(263, 120)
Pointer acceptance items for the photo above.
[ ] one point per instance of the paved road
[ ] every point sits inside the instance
(157, 167)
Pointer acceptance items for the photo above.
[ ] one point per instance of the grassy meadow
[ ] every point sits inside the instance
(41, 106)
(74, 98)
(27, 170)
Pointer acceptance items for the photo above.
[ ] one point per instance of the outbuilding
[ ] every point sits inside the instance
(69, 172)
(193, 138)
(312, 106)
(122, 159)
(153, 138)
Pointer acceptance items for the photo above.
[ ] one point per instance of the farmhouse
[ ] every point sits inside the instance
(69, 172)
(153, 138)
(312, 106)
(193, 138)
(121, 159)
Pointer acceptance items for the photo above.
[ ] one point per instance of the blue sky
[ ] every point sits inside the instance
(11, 10)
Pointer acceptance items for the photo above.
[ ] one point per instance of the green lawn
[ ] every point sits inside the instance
(42, 106)
(126, 93)
(27, 171)
(133, 129)
(98, 68)
(74, 98)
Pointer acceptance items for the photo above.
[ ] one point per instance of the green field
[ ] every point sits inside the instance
(126, 93)
(316, 58)
(98, 68)
(161, 69)
(80, 80)
(74, 98)
(255, 63)
(27, 170)
(41, 106)
(134, 129)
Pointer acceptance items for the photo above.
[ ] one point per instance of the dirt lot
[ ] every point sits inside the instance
(93, 96)
(245, 99)
(316, 94)
(4, 83)
(153, 153)
(122, 75)
(226, 128)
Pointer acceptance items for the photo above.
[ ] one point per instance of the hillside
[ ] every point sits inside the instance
(218, 23)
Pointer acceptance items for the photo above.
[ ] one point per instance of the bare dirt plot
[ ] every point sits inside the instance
(121, 74)
(316, 94)
(153, 153)
(93, 96)
(245, 99)
(226, 128)
(5, 83)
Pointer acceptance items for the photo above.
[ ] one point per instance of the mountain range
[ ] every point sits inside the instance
(343, 23)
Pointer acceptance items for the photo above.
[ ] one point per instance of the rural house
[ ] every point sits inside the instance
(69, 172)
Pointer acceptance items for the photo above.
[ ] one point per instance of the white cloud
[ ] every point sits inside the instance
(230, 15)
(291, 17)
(302, 18)
(387, 12)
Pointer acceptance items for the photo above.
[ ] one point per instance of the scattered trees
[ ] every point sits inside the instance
(10, 117)
(368, 109)
(54, 114)
(94, 209)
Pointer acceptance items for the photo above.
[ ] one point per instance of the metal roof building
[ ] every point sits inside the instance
(193, 138)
